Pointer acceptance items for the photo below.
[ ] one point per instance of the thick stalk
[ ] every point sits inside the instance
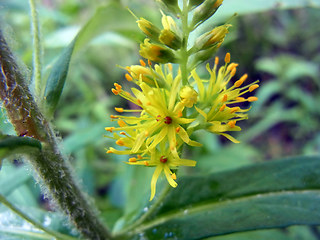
(49, 164)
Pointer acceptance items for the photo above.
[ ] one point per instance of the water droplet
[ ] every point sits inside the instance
(145, 209)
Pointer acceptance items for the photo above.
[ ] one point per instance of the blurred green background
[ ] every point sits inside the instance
(276, 42)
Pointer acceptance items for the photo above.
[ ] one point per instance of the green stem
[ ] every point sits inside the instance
(146, 214)
(57, 235)
(36, 48)
(184, 55)
(52, 168)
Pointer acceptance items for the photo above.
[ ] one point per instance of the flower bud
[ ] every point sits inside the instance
(148, 28)
(170, 5)
(195, 3)
(188, 96)
(170, 39)
(212, 38)
(155, 52)
(205, 11)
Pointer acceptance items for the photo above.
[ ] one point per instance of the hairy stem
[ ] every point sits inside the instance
(36, 48)
(49, 163)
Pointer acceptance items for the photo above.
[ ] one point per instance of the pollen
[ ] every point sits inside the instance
(252, 99)
(232, 124)
(167, 120)
(146, 163)
(253, 87)
(174, 176)
(115, 92)
(118, 86)
(120, 110)
(222, 107)
(163, 159)
(120, 142)
(142, 63)
(225, 98)
(109, 129)
(180, 114)
(123, 133)
(139, 157)
(227, 58)
(177, 129)
(128, 77)
(133, 159)
(109, 151)
(216, 60)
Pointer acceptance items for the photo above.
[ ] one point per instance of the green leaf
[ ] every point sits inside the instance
(112, 17)
(262, 196)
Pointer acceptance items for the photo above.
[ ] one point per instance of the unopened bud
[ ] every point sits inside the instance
(170, 39)
(156, 53)
(170, 5)
(205, 11)
(148, 28)
(188, 96)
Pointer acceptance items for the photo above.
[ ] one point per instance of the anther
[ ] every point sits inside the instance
(225, 98)
(118, 87)
(240, 99)
(146, 163)
(109, 129)
(122, 123)
(115, 92)
(252, 99)
(120, 110)
(232, 124)
(149, 62)
(133, 159)
(109, 151)
(167, 120)
(139, 157)
(227, 58)
(123, 133)
(128, 77)
(142, 63)
(170, 67)
(163, 159)
(174, 176)
(222, 107)
(253, 87)
(120, 142)
(234, 109)
(216, 60)
(113, 117)
(177, 129)
(180, 114)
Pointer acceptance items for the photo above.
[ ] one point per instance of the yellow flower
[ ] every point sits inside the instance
(216, 102)
(164, 161)
(161, 114)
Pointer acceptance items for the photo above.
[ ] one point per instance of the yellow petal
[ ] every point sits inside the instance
(168, 173)
(154, 179)
(232, 139)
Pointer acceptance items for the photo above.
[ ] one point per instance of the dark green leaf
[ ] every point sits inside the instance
(268, 195)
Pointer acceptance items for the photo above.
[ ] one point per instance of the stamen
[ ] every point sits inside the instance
(163, 159)
(146, 163)
(253, 87)
(115, 92)
(225, 98)
(174, 176)
(167, 120)
(120, 142)
(118, 87)
(240, 99)
(149, 62)
(128, 77)
(222, 107)
(123, 133)
(109, 129)
(227, 58)
(133, 159)
(122, 123)
(232, 66)
(252, 99)
(234, 109)
(113, 117)
(216, 61)
(109, 151)
(139, 157)
(177, 129)
(142, 63)
(120, 110)
(232, 124)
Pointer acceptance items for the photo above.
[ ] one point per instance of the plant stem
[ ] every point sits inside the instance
(37, 66)
(49, 164)
(184, 56)
(57, 235)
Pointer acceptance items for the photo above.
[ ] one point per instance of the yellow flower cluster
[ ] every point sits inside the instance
(172, 104)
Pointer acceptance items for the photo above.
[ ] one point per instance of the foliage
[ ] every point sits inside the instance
(232, 190)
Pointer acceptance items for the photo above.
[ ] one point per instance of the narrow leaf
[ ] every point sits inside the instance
(268, 195)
